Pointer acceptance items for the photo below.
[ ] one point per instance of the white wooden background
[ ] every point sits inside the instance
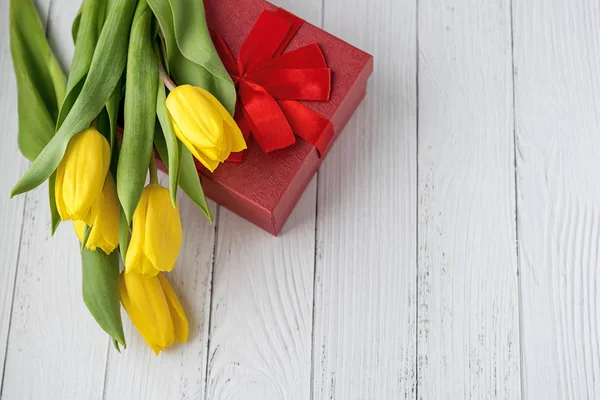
(449, 247)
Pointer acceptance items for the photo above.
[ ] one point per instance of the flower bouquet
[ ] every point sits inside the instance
(128, 54)
(241, 99)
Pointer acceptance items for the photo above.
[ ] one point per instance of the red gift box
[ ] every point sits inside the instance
(265, 187)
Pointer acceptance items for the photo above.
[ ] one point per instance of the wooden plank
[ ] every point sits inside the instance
(557, 58)
(12, 166)
(365, 292)
(51, 330)
(260, 330)
(179, 371)
(53, 340)
(260, 338)
(468, 321)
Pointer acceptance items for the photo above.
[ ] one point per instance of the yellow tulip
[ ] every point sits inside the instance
(154, 309)
(105, 228)
(156, 233)
(203, 125)
(79, 228)
(80, 176)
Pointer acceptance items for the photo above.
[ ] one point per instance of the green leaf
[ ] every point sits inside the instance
(191, 55)
(107, 120)
(189, 180)
(89, 27)
(86, 235)
(103, 124)
(41, 87)
(76, 24)
(77, 20)
(40, 80)
(107, 125)
(172, 143)
(112, 108)
(100, 273)
(124, 232)
(58, 79)
(140, 111)
(99, 85)
(55, 216)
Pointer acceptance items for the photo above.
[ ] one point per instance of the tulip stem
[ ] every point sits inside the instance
(165, 78)
(153, 173)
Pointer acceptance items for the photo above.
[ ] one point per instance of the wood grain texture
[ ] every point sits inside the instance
(557, 86)
(468, 311)
(260, 336)
(55, 349)
(180, 371)
(394, 304)
(365, 292)
(12, 166)
(54, 345)
(25, 247)
(260, 331)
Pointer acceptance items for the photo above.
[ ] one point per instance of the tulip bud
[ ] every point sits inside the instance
(154, 309)
(80, 176)
(203, 125)
(156, 233)
(105, 229)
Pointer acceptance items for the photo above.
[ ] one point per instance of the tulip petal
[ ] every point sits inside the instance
(140, 264)
(136, 260)
(105, 231)
(81, 175)
(60, 204)
(156, 233)
(207, 162)
(87, 170)
(79, 227)
(195, 116)
(145, 302)
(216, 105)
(222, 140)
(139, 321)
(211, 165)
(180, 322)
(163, 231)
(204, 126)
(230, 127)
(226, 148)
(238, 143)
(189, 145)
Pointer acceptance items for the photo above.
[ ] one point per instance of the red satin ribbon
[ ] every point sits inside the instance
(269, 84)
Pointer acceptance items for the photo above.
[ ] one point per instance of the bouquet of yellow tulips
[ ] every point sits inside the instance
(128, 54)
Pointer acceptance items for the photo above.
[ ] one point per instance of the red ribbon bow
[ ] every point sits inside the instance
(269, 83)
